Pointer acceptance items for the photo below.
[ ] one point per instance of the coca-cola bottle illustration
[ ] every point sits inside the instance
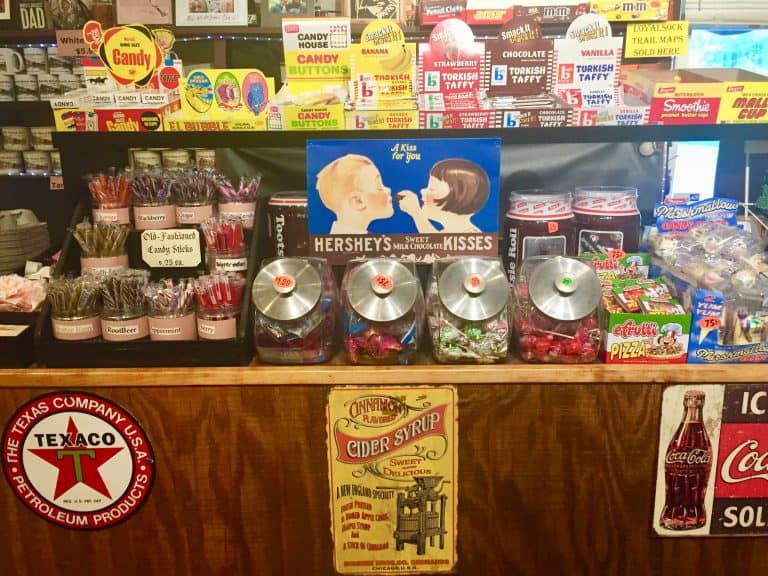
(687, 464)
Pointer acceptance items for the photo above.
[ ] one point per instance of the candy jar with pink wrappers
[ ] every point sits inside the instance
(383, 311)
(295, 305)
(218, 305)
(195, 194)
(556, 301)
(468, 310)
(225, 247)
(240, 201)
(124, 306)
(111, 194)
(75, 307)
(153, 207)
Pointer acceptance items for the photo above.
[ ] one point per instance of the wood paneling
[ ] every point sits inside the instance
(553, 479)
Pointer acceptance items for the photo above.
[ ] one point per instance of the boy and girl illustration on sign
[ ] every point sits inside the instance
(352, 187)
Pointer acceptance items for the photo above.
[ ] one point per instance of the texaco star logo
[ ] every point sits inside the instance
(77, 460)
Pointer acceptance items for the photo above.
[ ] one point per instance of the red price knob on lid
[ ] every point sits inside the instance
(474, 284)
(382, 284)
(283, 284)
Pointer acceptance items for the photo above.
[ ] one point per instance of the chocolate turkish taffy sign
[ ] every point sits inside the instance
(712, 472)
(392, 462)
(521, 60)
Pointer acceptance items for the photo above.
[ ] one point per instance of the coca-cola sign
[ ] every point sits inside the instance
(712, 472)
(694, 456)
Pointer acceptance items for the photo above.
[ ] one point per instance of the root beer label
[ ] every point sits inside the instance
(735, 493)
(77, 460)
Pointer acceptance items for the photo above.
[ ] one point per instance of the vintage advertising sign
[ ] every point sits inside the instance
(711, 477)
(660, 40)
(392, 458)
(452, 64)
(77, 460)
(131, 54)
(521, 60)
(586, 74)
(317, 48)
(383, 64)
(416, 198)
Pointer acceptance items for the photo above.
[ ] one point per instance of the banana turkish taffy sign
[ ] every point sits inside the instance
(393, 456)
(383, 64)
(131, 53)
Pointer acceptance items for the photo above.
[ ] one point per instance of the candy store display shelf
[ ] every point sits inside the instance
(338, 373)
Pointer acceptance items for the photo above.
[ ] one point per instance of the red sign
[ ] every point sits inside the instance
(77, 460)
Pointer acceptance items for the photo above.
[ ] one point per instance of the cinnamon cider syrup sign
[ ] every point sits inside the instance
(735, 492)
(392, 468)
(131, 54)
(77, 460)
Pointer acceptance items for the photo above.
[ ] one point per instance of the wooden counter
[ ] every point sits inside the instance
(556, 474)
(339, 374)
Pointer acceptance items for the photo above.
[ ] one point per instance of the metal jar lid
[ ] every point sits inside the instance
(286, 289)
(564, 289)
(382, 290)
(473, 288)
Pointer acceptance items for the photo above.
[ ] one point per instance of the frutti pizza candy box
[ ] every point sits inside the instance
(641, 324)
(223, 99)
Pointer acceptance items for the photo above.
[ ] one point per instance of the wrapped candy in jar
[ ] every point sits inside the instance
(556, 303)
(467, 310)
(295, 305)
(383, 311)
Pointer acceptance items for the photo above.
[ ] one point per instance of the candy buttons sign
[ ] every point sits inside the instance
(77, 460)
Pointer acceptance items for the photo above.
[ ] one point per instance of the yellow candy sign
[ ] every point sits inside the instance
(131, 54)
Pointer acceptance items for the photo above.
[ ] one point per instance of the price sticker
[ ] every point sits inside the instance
(71, 43)
(382, 284)
(616, 254)
(710, 323)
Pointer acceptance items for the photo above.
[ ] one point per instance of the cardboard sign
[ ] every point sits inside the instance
(383, 64)
(405, 198)
(393, 455)
(711, 479)
(174, 248)
(12, 330)
(131, 54)
(316, 48)
(521, 60)
(71, 43)
(660, 40)
(452, 64)
(587, 74)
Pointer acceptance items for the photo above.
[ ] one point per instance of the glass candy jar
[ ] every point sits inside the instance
(383, 311)
(556, 303)
(295, 304)
(607, 219)
(467, 310)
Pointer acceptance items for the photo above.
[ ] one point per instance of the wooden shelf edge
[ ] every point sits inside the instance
(326, 375)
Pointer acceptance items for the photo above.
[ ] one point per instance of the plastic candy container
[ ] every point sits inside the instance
(295, 304)
(383, 311)
(468, 306)
(606, 219)
(556, 311)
